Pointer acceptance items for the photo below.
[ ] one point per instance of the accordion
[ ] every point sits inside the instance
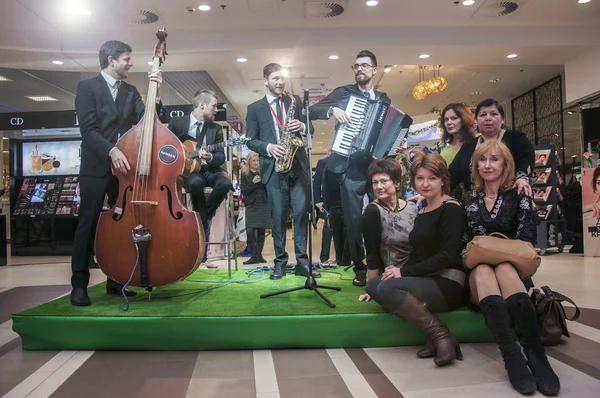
(377, 128)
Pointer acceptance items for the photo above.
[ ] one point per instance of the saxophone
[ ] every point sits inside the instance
(288, 141)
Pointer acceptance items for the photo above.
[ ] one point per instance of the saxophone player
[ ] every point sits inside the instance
(266, 121)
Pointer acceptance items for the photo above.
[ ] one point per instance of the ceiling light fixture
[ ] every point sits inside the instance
(494, 80)
(424, 56)
(242, 59)
(286, 72)
(372, 3)
(41, 98)
(4, 79)
(334, 57)
(204, 7)
(570, 112)
(476, 93)
(468, 2)
(513, 55)
(583, 1)
(57, 62)
(387, 69)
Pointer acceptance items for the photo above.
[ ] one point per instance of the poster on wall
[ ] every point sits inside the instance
(316, 91)
(48, 158)
(590, 184)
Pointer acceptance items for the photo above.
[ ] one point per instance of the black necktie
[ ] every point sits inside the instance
(200, 133)
(278, 110)
(367, 94)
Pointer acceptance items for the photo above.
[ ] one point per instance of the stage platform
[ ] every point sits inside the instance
(207, 312)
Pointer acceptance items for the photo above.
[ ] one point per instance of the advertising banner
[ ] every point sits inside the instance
(590, 185)
(49, 158)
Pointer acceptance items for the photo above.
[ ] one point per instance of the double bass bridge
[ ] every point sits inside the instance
(144, 202)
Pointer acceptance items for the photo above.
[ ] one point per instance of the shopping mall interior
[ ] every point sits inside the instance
(210, 334)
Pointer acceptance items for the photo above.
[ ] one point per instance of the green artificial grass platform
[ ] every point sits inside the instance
(210, 312)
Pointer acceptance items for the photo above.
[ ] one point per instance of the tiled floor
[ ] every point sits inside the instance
(316, 373)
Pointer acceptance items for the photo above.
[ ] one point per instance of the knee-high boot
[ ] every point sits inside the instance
(524, 320)
(251, 233)
(260, 241)
(497, 320)
(446, 347)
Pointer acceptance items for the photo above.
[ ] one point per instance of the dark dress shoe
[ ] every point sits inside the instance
(252, 260)
(278, 273)
(79, 297)
(113, 287)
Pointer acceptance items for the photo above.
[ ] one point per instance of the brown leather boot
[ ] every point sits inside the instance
(428, 351)
(446, 347)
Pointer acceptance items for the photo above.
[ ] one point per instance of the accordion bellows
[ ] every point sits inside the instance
(497, 249)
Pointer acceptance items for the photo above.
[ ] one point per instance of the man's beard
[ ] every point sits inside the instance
(362, 79)
(273, 89)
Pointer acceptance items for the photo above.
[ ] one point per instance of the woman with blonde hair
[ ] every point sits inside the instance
(258, 213)
(495, 205)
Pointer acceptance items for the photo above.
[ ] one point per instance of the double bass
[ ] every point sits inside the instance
(149, 238)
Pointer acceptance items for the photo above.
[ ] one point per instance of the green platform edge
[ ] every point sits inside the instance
(58, 326)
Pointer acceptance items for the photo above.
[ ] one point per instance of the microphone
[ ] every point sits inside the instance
(306, 92)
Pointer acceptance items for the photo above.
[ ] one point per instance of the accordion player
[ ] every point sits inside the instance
(376, 130)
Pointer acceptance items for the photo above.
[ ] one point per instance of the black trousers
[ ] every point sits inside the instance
(216, 179)
(340, 243)
(326, 236)
(353, 187)
(92, 192)
(437, 293)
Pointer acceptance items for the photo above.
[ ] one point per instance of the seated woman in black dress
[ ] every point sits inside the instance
(489, 115)
(495, 206)
(433, 273)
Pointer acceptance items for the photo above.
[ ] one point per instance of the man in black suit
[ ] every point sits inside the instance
(106, 108)
(199, 126)
(352, 171)
(265, 120)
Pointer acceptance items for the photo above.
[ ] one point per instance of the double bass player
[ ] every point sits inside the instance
(107, 107)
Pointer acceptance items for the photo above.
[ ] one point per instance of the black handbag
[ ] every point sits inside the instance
(551, 315)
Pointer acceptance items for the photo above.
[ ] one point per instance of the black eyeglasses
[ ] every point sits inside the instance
(361, 66)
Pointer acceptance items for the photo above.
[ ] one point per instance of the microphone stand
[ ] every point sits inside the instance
(311, 283)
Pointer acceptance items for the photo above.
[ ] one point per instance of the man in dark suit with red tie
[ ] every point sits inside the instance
(199, 126)
(351, 171)
(107, 108)
(265, 119)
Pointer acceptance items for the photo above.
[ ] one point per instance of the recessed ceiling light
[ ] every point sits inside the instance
(40, 98)
(372, 3)
(583, 1)
(423, 56)
(204, 7)
(57, 62)
(513, 55)
(494, 80)
(286, 72)
(468, 2)
(387, 69)
(242, 59)
(570, 112)
(4, 79)
(476, 93)
(334, 57)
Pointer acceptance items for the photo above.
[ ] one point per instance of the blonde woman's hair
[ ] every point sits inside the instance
(250, 156)
(508, 173)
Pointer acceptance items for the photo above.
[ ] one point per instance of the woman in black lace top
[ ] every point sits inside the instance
(495, 206)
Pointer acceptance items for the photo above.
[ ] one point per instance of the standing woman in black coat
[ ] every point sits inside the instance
(489, 116)
(258, 213)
